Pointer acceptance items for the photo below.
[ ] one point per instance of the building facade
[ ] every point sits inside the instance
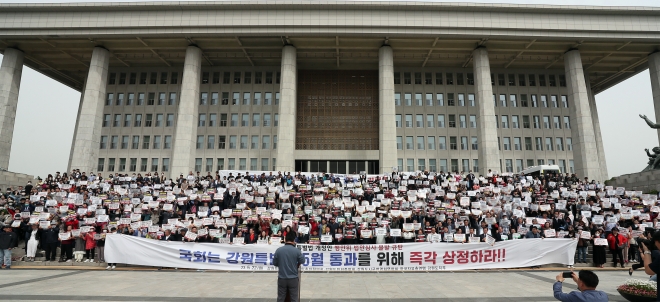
(341, 87)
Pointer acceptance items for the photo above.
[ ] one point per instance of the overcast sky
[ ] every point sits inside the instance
(47, 110)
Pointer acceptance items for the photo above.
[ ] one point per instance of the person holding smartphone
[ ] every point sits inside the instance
(586, 281)
(651, 257)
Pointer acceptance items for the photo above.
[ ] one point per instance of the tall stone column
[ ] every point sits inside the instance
(489, 152)
(286, 132)
(387, 128)
(599, 139)
(186, 122)
(585, 150)
(654, 72)
(90, 118)
(10, 83)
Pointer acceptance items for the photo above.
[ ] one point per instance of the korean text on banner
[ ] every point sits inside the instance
(374, 257)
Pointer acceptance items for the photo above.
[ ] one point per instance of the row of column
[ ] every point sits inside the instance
(587, 141)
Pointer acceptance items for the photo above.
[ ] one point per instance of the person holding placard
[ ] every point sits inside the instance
(66, 246)
(49, 240)
(33, 242)
(599, 256)
(100, 246)
(90, 246)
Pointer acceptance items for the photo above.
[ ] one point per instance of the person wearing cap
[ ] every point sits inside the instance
(8, 240)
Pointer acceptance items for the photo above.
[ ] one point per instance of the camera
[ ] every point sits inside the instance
(649, 241)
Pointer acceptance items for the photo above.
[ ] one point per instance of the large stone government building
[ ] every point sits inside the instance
(329, 86)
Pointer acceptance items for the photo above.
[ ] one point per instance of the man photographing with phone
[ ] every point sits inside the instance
(586, 281)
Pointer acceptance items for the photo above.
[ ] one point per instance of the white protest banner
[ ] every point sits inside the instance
(508, 254)
(585, 235)
(600, 241)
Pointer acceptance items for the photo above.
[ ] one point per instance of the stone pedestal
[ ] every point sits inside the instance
(642, 181)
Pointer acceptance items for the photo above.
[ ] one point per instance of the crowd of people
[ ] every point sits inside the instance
(74, 211)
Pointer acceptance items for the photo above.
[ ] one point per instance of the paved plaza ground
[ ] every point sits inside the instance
(169, 285)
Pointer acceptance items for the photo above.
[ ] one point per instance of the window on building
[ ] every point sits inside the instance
(136, 142)
(140, 99)
(117, 120)
(210, 142)
(114, 140)
(408, 99)
(170, 120)
(505, 121)
(159, 120)
(409, 143)
(450, 78)
(438, 78)
(539, 144)
(542, 80)
(254, 142)
(222, 140)
(420, 143)
(441, 120)
(201, 121)
(111, 165)
(100, 164)
(163, 78)
(453, 143)
(397, 120)
(528, 143)
(548, 144)
(507, 144)
(440, 99)
(124, 142)
(526, 121)
(428, 78)
(442, 143)
(146, 141)
(450, 99)
(167, 142)
(537, 122)
(418, 78)
(546, 122)
(244, 142)
(156, 142)
(564, 101)
(452, 121)
(103, 142)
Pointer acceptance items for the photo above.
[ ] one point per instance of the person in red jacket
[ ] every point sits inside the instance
(616, 243)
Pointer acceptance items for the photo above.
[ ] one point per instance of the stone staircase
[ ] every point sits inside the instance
(13, 179)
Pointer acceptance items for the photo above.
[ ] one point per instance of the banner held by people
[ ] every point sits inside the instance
(374, 257)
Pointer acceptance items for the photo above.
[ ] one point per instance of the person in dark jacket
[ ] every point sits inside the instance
(8, 239)
(49, 241)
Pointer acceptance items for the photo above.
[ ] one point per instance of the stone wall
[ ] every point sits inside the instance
(8, 179)
(642, 181)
